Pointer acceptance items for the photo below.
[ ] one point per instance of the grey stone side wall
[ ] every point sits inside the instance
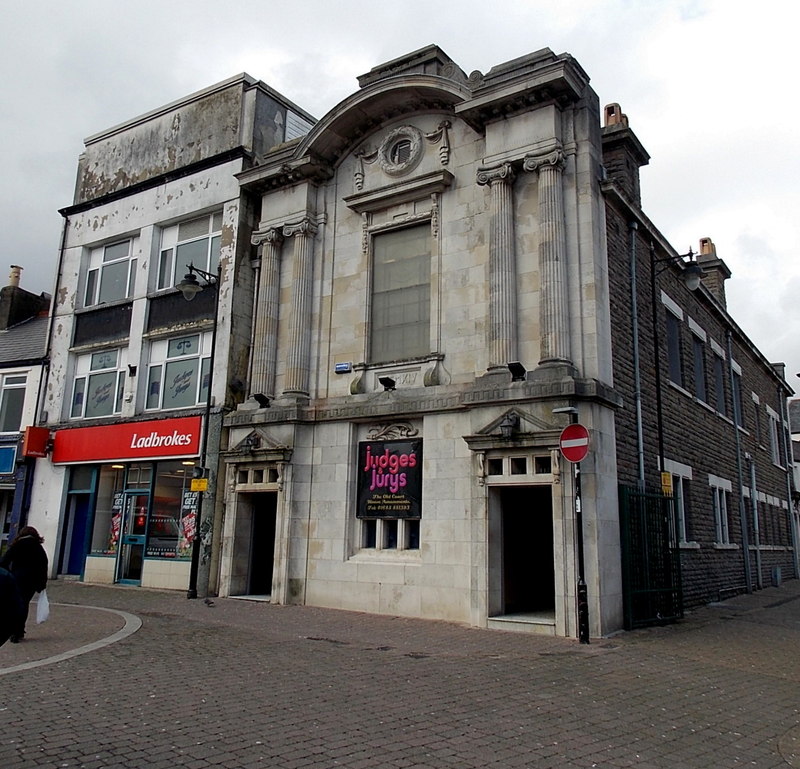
(695, 434)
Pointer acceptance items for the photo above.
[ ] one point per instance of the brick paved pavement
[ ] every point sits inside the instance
(242, 685)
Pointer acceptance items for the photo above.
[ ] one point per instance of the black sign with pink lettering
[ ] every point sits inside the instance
(390, 479)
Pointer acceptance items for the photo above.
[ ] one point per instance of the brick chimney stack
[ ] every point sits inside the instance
(715, 271)
(17, 304)
(623, 154)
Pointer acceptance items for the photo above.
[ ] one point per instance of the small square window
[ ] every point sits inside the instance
(519, 465)
(495, 466)
(544, 465)
(258, 476)
(241, 476)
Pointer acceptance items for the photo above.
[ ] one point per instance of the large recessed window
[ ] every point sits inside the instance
(674, 349)
(179, 372)
(401, 294)
(112, 270)
(194, 242)
(699, 360)
(99, 384)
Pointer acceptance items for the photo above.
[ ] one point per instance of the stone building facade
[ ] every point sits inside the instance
(445, 278)
(411, 299)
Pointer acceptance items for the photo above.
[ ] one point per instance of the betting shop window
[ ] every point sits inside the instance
(178, 375)
(12, 400)
(99, 384)
(112, 270)
(195, 242)
(171, 526)
(401, 294)
(167, 516)
(108, 510)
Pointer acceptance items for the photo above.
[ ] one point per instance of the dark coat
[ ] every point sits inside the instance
(11, 608)
(27, 561)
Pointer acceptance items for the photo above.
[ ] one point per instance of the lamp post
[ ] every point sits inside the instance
(190, 287)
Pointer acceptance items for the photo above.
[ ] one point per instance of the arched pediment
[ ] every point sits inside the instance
(362, 112)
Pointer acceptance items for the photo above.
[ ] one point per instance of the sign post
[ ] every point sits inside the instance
(574, 445)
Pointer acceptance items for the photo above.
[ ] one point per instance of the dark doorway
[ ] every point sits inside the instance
(528, 564)
(262, 543)
(74, 539)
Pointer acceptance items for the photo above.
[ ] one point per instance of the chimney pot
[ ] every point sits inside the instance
(13, 278)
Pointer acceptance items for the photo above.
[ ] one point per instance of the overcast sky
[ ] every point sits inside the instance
(709, 87)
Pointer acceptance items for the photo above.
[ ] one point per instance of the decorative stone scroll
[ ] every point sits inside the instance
(392, 431)
(396, 167)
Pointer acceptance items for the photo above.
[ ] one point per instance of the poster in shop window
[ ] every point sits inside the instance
(389, 479)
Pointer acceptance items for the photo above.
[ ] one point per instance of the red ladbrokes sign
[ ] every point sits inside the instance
(132, 441)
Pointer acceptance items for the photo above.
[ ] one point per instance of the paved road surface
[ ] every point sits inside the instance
(242, 685)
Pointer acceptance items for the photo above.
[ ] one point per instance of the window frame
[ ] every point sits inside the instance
(699, 366)
(159, 358)
(721, 490)
(101, 266)
(390, 535)
(378, 342)
(6, 388)
(89, 366)
(169, 269)
(674, 345)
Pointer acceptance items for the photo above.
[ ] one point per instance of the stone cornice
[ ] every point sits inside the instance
(486, 391)
(519, 85)
(400, 192)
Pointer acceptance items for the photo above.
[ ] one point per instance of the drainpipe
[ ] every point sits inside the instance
(756, 526)
(748, 577)
(637, 384)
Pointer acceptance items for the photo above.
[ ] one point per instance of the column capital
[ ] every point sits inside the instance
(554, 159)
(491, 174)
(269, 236)
(304, 227)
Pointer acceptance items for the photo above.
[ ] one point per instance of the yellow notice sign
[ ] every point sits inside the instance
(199, 484)
(666, 484)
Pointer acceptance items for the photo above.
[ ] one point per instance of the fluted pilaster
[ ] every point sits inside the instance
(298, 357)
(554, 308)
(502, 267)
(265, 337)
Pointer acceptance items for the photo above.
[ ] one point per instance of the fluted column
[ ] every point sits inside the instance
(554, 307)
(265, 336)
(502, 268)
(298, 356)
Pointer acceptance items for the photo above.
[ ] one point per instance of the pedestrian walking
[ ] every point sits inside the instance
(27, 562)
(10, 605)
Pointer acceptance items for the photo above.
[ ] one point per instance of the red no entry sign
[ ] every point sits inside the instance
(574, 442)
